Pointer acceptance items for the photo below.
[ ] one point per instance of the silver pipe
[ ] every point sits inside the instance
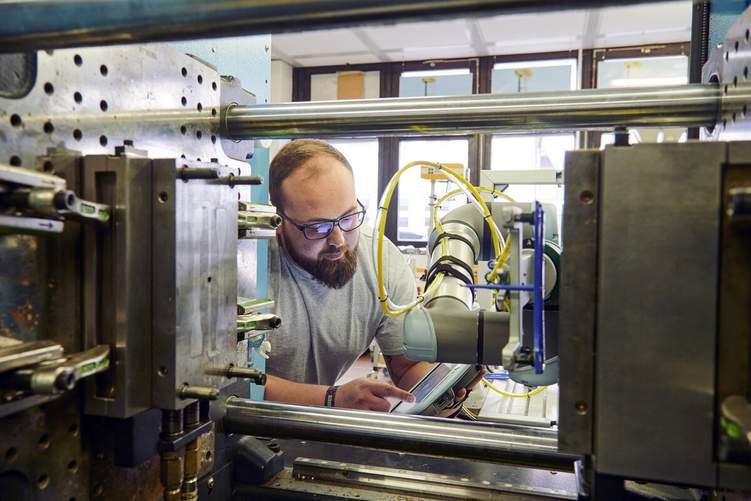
(52, 24)
(429, 436)
(683, 106)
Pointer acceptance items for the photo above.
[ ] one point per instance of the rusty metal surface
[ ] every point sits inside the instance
(42, 453)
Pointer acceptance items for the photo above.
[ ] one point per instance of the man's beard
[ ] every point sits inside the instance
(331, 273)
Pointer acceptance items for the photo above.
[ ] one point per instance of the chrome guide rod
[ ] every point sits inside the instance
(430, 436)
(681, 106)
(52, 24)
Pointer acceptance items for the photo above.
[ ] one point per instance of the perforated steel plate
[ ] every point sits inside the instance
(729, 66)
(92, 100)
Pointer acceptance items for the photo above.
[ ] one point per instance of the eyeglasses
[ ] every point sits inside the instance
(322, 229)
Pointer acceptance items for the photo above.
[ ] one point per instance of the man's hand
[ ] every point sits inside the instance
(369, 395)
(461, 396)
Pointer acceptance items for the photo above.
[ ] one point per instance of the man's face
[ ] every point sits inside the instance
(322, 189)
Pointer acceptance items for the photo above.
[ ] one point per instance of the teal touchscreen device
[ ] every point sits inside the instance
(437, 389)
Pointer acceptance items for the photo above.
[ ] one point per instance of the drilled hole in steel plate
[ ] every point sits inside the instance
(48, 166)
(208, 455)
(737, 45)
(15, 120)
(103, 70)
(43, 481)
(213, 112)
(48, 127)
(199, 107)
(183, 130)
(184, 100)
(78, 97)
(184, 72)
(735, 81)
(49, 89)
(727, 56)
(198, 134)
(103, 140)
(748, 34)
(581, 408)
(44, 441)
(11, 454)
(213, 139)
(200, 79)
(163, 197)
(213, 85)
(734, 116)
(103, 105)
(77, 60)
(72, 466)
(77, 134)
(15, 161)
(587, 197)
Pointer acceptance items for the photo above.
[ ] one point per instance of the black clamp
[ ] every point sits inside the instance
(448, 266)
(453, 236)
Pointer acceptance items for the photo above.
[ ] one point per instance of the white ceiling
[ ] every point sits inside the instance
(660, 22)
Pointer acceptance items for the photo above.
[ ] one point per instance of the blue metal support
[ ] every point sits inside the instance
(539, 319)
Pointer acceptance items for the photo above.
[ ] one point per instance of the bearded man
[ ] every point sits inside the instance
(323, 279)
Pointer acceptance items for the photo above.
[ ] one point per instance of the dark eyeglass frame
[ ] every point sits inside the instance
(333, 222)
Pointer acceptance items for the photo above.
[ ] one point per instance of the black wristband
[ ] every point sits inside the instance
(330, 396)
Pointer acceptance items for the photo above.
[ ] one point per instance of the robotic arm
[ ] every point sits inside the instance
(448, 328)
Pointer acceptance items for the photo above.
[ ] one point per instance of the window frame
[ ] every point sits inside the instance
(481, 69)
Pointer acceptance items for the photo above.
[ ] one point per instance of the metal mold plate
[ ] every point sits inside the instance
(578, 301)
(116, 286)
(657, 314)
(194, 283)
(729, 66)
(42, 453)
(90, 100)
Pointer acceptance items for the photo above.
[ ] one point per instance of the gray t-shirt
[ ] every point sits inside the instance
(325, 330)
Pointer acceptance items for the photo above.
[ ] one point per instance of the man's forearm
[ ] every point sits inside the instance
(283, 390)
(412, 375)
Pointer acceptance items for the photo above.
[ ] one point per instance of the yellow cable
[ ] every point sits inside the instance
(513, 395)
(381, 228)
(500, 261)
(450, 194)
(470, 413)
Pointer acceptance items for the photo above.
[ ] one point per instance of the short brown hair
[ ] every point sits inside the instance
(291, 157)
